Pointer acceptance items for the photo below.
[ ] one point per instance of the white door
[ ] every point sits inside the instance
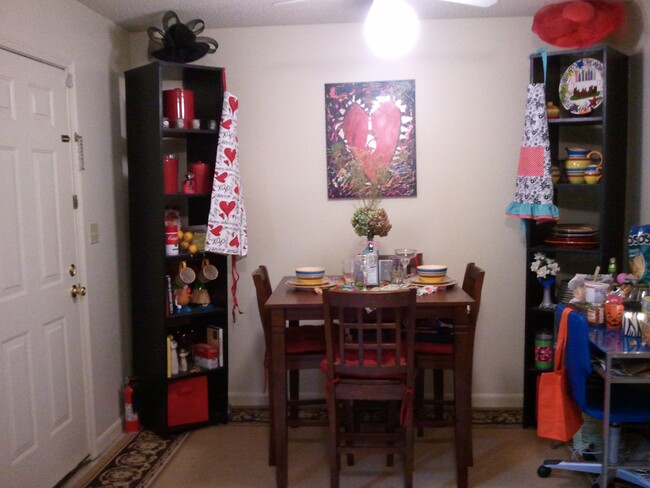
(42, 412)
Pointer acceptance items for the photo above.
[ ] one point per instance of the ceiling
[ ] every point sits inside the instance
(138, 15)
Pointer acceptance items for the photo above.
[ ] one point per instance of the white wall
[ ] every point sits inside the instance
(471, 78)
(65, 32)
(470, 94)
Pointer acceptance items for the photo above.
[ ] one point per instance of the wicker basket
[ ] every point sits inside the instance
(589, 438)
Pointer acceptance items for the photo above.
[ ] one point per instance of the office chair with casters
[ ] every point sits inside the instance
(629, 403)
(369, 358)
(434, 350)
(305, 349)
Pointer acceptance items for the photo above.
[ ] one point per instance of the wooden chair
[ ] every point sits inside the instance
(369, 360)
(437, 355)
(305, 349)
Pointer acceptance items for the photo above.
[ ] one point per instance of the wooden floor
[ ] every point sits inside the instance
(235, 456)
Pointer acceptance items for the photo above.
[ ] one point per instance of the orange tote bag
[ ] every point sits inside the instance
(558, 416)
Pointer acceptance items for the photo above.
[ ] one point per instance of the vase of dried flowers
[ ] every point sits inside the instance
(369, 219)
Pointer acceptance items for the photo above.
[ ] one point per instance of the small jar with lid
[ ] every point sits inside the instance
(614, 311)
(552, 111)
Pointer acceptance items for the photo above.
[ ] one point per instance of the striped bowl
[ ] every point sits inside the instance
(310, 275)
(432, 273)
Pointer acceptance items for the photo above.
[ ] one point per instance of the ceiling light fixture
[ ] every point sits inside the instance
(476, 3)
(391, 28)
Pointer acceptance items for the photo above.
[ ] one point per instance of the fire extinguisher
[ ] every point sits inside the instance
(131, 419)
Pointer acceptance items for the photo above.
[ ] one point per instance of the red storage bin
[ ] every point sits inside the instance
(187, 401)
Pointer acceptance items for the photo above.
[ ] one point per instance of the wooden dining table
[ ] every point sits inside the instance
(289, 304)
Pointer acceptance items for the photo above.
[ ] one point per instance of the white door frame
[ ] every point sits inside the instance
(68, 66)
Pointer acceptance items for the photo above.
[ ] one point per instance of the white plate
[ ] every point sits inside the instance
(581, 86)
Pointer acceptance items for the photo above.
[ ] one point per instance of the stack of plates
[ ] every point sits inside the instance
(564, 295)
(582, 236)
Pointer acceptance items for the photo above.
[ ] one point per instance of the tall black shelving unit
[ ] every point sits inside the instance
(186, 396)
(601, 205)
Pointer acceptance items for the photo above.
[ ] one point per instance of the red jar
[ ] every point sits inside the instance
(178, 104)
(170, 173)
(202, 176)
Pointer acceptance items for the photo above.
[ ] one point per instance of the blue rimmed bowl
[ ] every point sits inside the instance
(432, 273)
(310, 275)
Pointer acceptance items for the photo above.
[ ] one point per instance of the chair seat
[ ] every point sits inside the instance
(630, 404)
(433, 348)
(305, 339)
(370, 360)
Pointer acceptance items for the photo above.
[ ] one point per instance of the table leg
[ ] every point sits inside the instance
(294, 387)
(279, 392)
(462, 395)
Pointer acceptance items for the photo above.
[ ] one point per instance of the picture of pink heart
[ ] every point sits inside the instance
(226, 124)
(234, 242)
(372, 139)
(221, 177)
(216, 231)
(227, 207)
(236, 190)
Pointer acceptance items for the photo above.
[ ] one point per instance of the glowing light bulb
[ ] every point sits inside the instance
(391, 28)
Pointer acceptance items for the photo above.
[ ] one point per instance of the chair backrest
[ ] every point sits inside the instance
(263, 289)
(473, 286)
(363, 345)
(577, 356)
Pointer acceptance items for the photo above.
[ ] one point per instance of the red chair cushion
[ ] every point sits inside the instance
(370, 360)
(305, 339)
(433, 348)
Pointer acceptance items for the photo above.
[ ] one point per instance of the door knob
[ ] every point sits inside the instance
(77, 289)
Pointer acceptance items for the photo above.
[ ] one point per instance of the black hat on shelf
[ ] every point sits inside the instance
(179, 41)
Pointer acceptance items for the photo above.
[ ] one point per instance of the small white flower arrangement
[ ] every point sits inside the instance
(544, 266)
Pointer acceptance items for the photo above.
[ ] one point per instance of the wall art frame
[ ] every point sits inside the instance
(370, 138)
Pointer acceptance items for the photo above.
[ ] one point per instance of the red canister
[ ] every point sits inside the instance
(170, 173)
(178, 104)
(171, 240)
(202, 176)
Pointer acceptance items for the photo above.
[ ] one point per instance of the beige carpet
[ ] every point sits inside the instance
(235, 456)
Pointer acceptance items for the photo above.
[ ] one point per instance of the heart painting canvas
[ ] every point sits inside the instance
(370, 138)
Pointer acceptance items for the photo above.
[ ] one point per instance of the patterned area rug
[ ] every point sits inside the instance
(319, 414)
(143, 457)
(138, 463)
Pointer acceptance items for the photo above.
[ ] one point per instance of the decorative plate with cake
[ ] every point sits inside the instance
(581, 86)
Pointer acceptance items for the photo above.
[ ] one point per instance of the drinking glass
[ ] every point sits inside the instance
(366, 262)
(348, 271)
(405, 255)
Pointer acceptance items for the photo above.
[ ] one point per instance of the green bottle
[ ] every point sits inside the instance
(611, 269)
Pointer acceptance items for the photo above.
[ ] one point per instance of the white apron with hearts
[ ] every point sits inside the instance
(227, 232)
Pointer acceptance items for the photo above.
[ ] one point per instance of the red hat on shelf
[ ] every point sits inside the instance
(578, 23)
